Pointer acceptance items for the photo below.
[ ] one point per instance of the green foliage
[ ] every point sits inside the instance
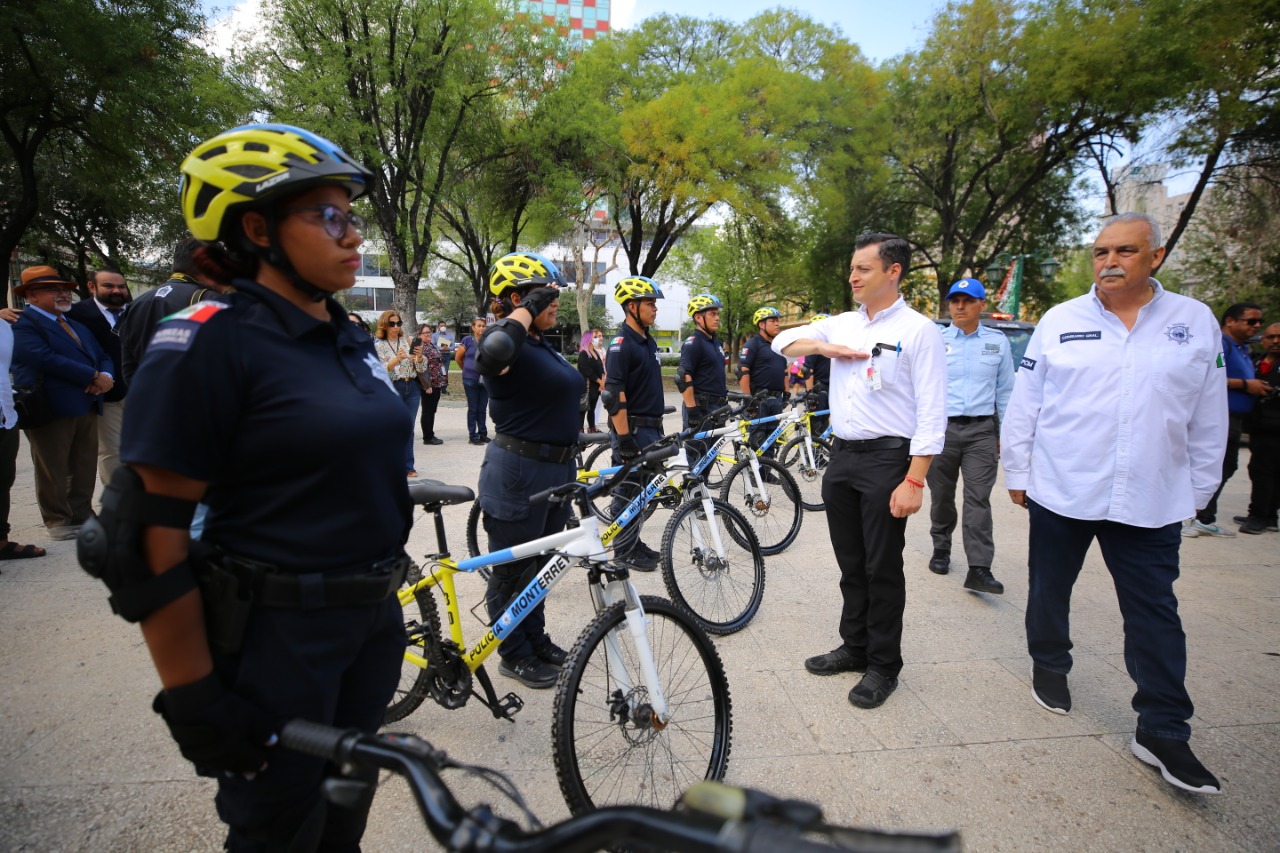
(99, 102)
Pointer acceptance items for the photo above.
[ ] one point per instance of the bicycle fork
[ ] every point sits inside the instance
(635, 702)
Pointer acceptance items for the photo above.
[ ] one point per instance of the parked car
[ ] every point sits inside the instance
(1018, 333)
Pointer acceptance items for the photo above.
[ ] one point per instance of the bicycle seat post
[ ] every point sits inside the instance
(442, 541)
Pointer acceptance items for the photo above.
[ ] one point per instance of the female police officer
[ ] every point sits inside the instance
(533, 395)
(243, 403)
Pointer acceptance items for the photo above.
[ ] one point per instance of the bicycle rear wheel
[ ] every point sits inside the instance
(609, 750)
(808, 477)
(722, 592)
(415, 681)
(776, 519)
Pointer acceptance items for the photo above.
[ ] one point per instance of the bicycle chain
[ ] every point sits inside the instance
(448, 678)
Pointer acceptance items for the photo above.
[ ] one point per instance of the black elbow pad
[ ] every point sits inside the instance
(499, 346)
(681, 384)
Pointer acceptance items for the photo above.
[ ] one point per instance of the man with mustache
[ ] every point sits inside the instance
(1115, 432)
(101, 315)
(74, 372)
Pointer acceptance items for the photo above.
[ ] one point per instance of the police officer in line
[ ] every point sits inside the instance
(240, 402)
(633, 398)
(533, 395)
(817, 378)
(188, 284)
(979, 383)
(762, 369)
(702, 361)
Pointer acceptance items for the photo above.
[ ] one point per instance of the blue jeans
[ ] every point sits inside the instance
(411, 394)
(1143, 563)
(477, 405)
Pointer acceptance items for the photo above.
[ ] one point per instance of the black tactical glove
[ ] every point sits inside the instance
(537, 300)
(627, 447)
(214, 728)
(697, 415)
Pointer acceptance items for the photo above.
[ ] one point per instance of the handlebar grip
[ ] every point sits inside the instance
(658, 455)
(315, 739)
(542, 496)
(767, 838)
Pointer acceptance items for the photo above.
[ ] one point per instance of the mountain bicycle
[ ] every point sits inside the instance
(641, 707)
(709, 817)
(762, 487)
(807, 455)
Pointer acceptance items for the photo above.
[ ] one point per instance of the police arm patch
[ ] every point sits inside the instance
(176, 332)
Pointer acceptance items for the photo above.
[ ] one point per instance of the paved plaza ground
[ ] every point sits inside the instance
(86, 765)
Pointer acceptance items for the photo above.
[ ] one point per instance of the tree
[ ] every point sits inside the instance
(994, 117)
(689, 116)
(97, 99)
(398, 86)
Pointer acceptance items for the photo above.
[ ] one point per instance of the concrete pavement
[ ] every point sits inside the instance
(86, 765)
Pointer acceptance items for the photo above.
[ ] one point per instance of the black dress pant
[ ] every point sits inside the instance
(8, 472)
(868, 543)
(430, 402)
(1230, 464)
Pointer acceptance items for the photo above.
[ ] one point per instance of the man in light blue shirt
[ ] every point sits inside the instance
(979, 382)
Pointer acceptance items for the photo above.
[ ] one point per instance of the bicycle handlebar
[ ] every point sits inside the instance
(714, 817)
(648, 459)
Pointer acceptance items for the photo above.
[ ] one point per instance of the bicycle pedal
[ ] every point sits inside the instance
(509, 706)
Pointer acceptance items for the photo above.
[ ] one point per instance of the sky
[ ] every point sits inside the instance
(879, 33)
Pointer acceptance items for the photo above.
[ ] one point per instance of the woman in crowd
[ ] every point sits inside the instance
(397, 355)
(431, 383)
(477, 394)
(591, 366)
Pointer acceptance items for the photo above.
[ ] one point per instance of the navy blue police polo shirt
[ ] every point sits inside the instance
(702, 358)
(290, 420)
(767, 369)
(633, 369)
(537, 398)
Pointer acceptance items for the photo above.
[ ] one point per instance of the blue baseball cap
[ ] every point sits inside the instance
(968, 287)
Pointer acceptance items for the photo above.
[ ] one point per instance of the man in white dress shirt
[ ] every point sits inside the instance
(1116, 432)
(889, 414)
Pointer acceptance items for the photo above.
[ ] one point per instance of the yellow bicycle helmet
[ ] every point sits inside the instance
(816, 317)
(763, 314)
(254, 165)
(519, 270)
(702, 302)
(636, 287)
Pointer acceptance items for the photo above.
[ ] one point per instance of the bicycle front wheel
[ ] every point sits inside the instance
(609, 747)
(721, 587)
(774, 510)
(808, 477)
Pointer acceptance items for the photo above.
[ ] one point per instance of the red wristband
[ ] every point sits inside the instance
(913, 481)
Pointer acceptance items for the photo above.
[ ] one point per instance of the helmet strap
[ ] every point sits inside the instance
(274, 255)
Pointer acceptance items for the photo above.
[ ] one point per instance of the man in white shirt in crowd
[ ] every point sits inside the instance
(1115, 432)
(888, 411)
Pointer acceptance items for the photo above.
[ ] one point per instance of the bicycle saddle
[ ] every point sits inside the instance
(425, 492)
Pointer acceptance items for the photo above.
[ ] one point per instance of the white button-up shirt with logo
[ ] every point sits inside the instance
(1107, 423)
(912, 366)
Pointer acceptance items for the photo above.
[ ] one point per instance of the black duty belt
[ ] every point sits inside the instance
(867, 444)
(709, 401)
(646, 421)
(534, 450)
(969, 419)
(273, 588)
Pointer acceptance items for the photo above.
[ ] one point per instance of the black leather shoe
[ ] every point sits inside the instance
(1050, 690)
(1178, 764)
(872, 690)
(980, 580)
(432, 440)
(549, 653)
(834, 661)
(531, 672)
(940, 563)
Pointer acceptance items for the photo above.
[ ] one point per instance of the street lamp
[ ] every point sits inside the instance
(1014, 265)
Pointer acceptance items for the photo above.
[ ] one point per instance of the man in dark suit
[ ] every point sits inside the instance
(109, 294)
(74, 371)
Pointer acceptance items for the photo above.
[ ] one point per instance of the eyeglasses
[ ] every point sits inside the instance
(334, 219)
(52, 288)
(394, 323)
(1257, 321)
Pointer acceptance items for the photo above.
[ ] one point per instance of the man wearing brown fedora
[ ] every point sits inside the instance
(73, 372)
